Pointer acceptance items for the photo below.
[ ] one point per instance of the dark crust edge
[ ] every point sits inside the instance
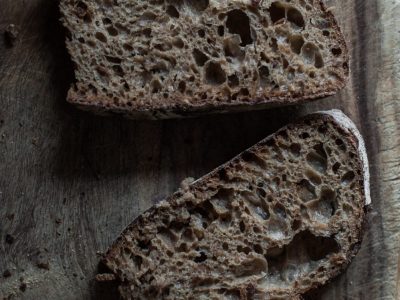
(103, 105)
(95, 105)
(112, 251)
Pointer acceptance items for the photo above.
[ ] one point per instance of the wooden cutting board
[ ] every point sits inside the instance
(71, 181)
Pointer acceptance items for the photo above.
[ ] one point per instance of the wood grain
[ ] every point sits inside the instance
(71, 181)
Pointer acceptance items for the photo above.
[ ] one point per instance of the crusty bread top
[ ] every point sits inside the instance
(173, 58)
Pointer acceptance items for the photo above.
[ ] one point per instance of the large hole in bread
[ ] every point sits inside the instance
(199, 57)
(295, 149)
(253, 159)
(233, 80)
(201, 33)
(313, 176)
(263, 72)
(101, 37)
(82, 11)
(201, 258)
(293, 260)
(280, 211)
(205, 213)
(296, 43)
(178, 42)
(256, 206)
(221, 30)
(113, 59)
(294, 16)
(182, 87)
(348, 178)
(214, 74)
(239, 23)
(112, 31)
(325, 207)
(138, 260)
(81, 5)
(221, 201)
(312, 55)
(277, 11)
(156, 86)
(250, 267)
(306, 190)
(224, 222)
(118, 70)
(242, 249)
(317, 158)
(172, 11)
(336, 51)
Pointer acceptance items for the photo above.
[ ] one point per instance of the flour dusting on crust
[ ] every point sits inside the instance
(348, 124)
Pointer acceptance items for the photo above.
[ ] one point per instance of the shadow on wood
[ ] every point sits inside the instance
(97, 147)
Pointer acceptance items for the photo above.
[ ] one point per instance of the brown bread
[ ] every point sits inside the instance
(278, 220)
(174, 58)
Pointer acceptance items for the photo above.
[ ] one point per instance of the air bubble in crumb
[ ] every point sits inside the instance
(239, 23)
(172, 11)
(214, 74)
(199, 57)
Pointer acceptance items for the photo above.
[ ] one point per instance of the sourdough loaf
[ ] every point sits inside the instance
(173, 58)
(278, 220)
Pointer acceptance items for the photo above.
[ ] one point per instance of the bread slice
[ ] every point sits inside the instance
(173, 58)
(281, 218)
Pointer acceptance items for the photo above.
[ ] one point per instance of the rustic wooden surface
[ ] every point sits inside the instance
(71, 181)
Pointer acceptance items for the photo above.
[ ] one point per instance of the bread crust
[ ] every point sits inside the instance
(347, 124)
(105, 107)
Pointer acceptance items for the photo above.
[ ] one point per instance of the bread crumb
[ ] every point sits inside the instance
(105, 277)
(11, 34)
(23, 286)
(9, 239)
(6, 273)
(44, 265)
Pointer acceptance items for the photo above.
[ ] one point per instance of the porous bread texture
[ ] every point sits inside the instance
(172, 58)
(283, 217)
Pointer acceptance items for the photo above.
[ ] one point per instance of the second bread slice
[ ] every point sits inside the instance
(281, 218)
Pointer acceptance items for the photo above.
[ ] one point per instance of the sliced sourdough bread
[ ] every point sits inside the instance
(278, 220)
(173, 58)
